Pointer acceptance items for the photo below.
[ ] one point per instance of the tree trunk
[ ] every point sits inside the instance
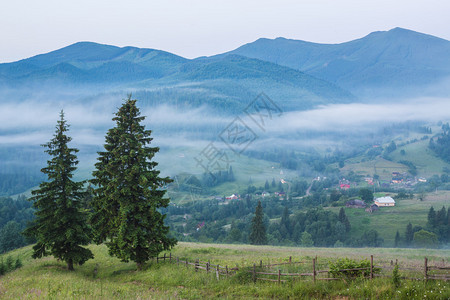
(70, 265)
(139, 266)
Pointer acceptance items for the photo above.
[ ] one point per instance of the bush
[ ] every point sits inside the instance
(2, 267)
(345, 268)
(9, 265)
(396, 277)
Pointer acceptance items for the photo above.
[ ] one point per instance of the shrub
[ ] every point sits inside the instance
(2, 267)
(396, 277)
(18, 263)
(346, 267)
(9, 263)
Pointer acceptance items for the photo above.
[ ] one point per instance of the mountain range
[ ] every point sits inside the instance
(296, 74)
(384, 60)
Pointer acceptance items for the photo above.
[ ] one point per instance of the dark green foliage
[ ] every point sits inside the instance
(11, 237)
(344, 220)
(285, 226)
(129, 191)
(438, 224)
(258, 229)
(14, 215)
(397, 239)
(425, 239)
(366, 195)
(391, 148)
(409, 234)
(306, 240)
(2, 267)
(442, 145)
(9, 265)
(431, 218)
(60, 226)
(212, 179)
(396, 276)
(371, 238)
(18, 263)
(340, 268)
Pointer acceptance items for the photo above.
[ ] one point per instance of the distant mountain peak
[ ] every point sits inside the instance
(396, 60)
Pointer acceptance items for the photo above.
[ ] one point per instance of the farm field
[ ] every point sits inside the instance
(107, 278)
(390, 219)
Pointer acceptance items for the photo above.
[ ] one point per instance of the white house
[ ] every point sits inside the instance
(384, 201)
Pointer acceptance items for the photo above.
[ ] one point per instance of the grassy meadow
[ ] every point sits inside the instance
(106, 277)
(390, 219)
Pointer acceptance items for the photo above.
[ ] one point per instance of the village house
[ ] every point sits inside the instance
(232, 197)
(385, 201)
(372, 208)
(356, 203)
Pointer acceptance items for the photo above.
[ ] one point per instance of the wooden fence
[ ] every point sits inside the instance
(266, 272)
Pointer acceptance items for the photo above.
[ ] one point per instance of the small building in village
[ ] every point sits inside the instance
(372, 208)
(384, 201)
(356, 203)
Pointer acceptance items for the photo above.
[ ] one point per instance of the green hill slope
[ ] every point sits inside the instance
(108, 278)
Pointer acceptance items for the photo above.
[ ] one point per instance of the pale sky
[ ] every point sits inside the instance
(193, 28)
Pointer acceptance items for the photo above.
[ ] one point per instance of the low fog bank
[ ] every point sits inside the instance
(33, 123)
(182, 134)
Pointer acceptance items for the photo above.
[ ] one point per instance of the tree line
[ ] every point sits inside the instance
(284, 222)
(435, 233)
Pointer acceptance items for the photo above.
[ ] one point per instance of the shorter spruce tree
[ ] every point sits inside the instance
(60, 226)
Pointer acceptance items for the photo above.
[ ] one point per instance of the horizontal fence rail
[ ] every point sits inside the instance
(263, 272)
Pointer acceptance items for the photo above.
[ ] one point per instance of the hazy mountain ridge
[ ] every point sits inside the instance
(398, 58)
(225, 79)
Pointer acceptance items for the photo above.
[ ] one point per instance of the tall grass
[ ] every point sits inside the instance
(106, 277)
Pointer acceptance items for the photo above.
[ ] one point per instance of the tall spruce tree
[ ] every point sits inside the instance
(397, 239)
(129, 192)
(409, 234)
(431, 218)
(60, 226)
(344, 219)
(258, 230)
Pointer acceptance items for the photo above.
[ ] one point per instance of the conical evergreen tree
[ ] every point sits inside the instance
(129, 191)
(258, 230)
(409, 234)
(344, 220)
(284, 223)
(397, 240)
(60, 226)
(431, 218)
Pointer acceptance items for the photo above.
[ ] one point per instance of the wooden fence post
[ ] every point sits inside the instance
(254, 273)
(196, 265)
(157, 258)
(371, 267)
(279, 276)
(170, 256)
(314, 269)
(260, 263)
(207, 267)
(425, 269)
(164, 257)
(187, 263)
(217, 272)
(290, 259)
